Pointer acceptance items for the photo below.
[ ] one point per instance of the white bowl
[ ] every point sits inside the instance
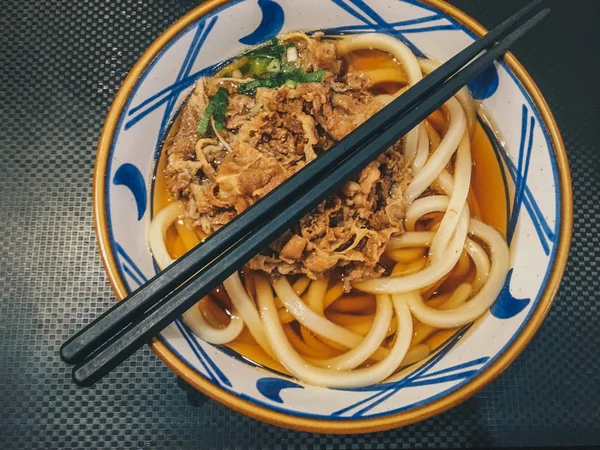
(532, 157)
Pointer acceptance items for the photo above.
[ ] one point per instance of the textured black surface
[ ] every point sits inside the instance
(60, 66)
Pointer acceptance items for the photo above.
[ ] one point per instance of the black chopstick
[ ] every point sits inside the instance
(87, 340)
(172, 306)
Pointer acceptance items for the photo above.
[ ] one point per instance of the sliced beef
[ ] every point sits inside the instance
(268, 138)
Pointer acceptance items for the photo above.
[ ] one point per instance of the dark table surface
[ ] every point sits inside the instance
(61, 63)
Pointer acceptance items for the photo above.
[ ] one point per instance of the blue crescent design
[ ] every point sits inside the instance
(130, 176)
(270, 25)
(485, 85)
(507, 305)
(271, 387)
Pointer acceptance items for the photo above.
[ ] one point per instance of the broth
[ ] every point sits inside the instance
(487, 201)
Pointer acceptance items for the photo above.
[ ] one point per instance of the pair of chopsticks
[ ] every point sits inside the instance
(111, 338)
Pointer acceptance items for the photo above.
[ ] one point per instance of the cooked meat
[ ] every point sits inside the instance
(314, 53)
(347, 233)
(269, 137)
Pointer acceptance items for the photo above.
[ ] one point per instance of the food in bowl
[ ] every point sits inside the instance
(385, 270)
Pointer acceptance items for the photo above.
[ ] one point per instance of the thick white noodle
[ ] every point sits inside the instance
(319, 324)
(445, 182)
(316, 292)
(411, 239)
(157, 234)
(463, 96)
(442, 155)
(246, 308)
(486, 296)
(430, 274)
(403, 55)
(387, 44)
(422, 206)
(368, 346)
(481, 261)
(201, 328)
(459, 297)
(422, 149)
(310, 319)
(318, 376)
(480, 258)
(193, 317)
(384, 99)
(458, 200)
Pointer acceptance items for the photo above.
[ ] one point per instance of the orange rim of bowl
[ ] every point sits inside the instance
(339, 426)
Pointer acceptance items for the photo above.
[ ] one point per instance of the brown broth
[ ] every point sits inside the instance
(365, 61)
(487, 192)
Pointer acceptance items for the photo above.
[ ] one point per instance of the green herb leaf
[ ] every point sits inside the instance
(271, 50)
(249, 88)
(205, 118)
(220, 100)
(216, 108)
(313, 77)
(275, 80)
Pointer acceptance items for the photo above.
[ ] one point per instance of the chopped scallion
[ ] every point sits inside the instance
(259, 66)
(274, 66)
(291, 54)
(275, 80)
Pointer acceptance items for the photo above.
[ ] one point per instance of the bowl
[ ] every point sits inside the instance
(527, 145)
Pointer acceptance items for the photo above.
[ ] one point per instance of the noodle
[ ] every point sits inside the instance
(318, 376)
(193, 318)
(486, 296)
(422, 150)
(247, 310)
(463, 96)
(444, 269)
(368, 345)
(442, 155)
(407, 59)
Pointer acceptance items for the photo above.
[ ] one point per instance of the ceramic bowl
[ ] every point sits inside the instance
(537, 188)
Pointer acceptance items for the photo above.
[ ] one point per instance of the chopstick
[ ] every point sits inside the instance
(87, 340)
(299, 194)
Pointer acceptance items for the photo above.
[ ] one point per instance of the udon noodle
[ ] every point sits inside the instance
(352, 320)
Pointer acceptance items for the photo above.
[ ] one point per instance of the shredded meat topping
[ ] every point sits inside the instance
(269, 137)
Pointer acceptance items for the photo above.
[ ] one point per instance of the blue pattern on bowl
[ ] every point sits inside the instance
(270, 25)
(130, 176)
(507, 305)
(262, 387)
(271, 387)
(485, 85)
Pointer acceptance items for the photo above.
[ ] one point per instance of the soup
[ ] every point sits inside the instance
(398, 267)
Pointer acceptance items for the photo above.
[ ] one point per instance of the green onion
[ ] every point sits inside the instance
(250, 87)
(313, 77)
(291, 83)
(274, 66)
(291, 53)
(258, 66)
(216, 108)
(278, 79)
(287, 67)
